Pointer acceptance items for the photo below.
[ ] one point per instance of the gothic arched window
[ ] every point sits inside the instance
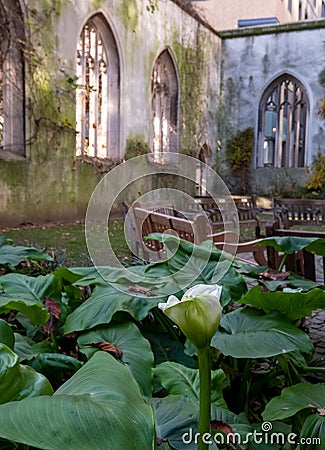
(12, 92)
(164, 91)
(97, 107)
(282, 124)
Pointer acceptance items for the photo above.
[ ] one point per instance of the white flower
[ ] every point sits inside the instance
(197, 314)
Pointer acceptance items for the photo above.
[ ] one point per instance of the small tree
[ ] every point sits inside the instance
(316, 180)
(240, 150)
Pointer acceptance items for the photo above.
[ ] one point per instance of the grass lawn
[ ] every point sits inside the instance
(68, 242)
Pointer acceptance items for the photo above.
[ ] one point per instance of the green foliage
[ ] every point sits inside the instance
(243, 331)
(14, 257)
(131, 347)
(295, 399)
(316, 180)
(50, 87)
(299, 401)
(115, 347)
(135, 146)
(6, 334)
(292, 305)
(239, 151)
(292, 244)
(84, 413)
(19, 381)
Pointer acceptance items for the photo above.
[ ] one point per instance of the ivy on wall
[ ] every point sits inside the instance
(239, 151)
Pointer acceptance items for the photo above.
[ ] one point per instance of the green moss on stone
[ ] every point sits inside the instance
(190, 65)
(128, 11)
(97, 4)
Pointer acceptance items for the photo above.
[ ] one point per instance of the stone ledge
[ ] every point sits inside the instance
(7, 155)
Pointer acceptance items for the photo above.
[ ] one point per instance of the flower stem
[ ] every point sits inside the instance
(205, 394)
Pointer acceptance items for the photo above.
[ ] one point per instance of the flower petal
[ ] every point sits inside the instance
(172, 300)
(204, 289)
(198, 314)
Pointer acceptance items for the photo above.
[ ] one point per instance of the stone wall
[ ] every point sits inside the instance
(49, 183)
(221, 78)
(251, 60)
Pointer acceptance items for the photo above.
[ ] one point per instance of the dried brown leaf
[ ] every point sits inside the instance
(136, 289)
(270, 274)
(108, 347)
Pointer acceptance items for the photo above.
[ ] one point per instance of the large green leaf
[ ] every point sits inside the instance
(152, 276)
(26, 294)
(175, 416)
(248, 333)
(6, 334)
(180, 380)
(177, 420)
(11, 255)
(233, 286)
(29, 288)
(136, 350)
(100, 407)
(193, 264)
(312, 434)
(293, 305)
(295, 398)
(104, 302)
(166, 347)
(292, 244)
(34, 310)
(189, 263)
(5, 241)
(47, 362)
(23, 348)
(18, 381)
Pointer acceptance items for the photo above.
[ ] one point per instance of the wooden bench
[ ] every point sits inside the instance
(302, 262)
(246, 209)
(294, 211)
(195, 230)
(148, 221)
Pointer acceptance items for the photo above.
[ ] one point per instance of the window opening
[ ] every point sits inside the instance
(283, 124)
(12, 92)
(164, 106)
(92, 68)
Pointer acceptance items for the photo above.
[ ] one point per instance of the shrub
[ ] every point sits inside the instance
(240, 149)
(316, 180)
(136, 146)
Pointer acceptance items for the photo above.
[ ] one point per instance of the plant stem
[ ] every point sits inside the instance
(282, 262)
(205, 394)
(312, 369)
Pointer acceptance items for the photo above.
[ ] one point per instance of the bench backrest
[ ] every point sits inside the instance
(302, 262)
(148, 221)
(294, 211)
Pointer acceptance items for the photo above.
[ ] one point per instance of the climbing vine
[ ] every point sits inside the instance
(240, 150)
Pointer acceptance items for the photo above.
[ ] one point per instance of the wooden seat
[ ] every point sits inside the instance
(195, 230)
(147, 222)
(296, 211)
(302, 262)
(144, 228)
(223, 212)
